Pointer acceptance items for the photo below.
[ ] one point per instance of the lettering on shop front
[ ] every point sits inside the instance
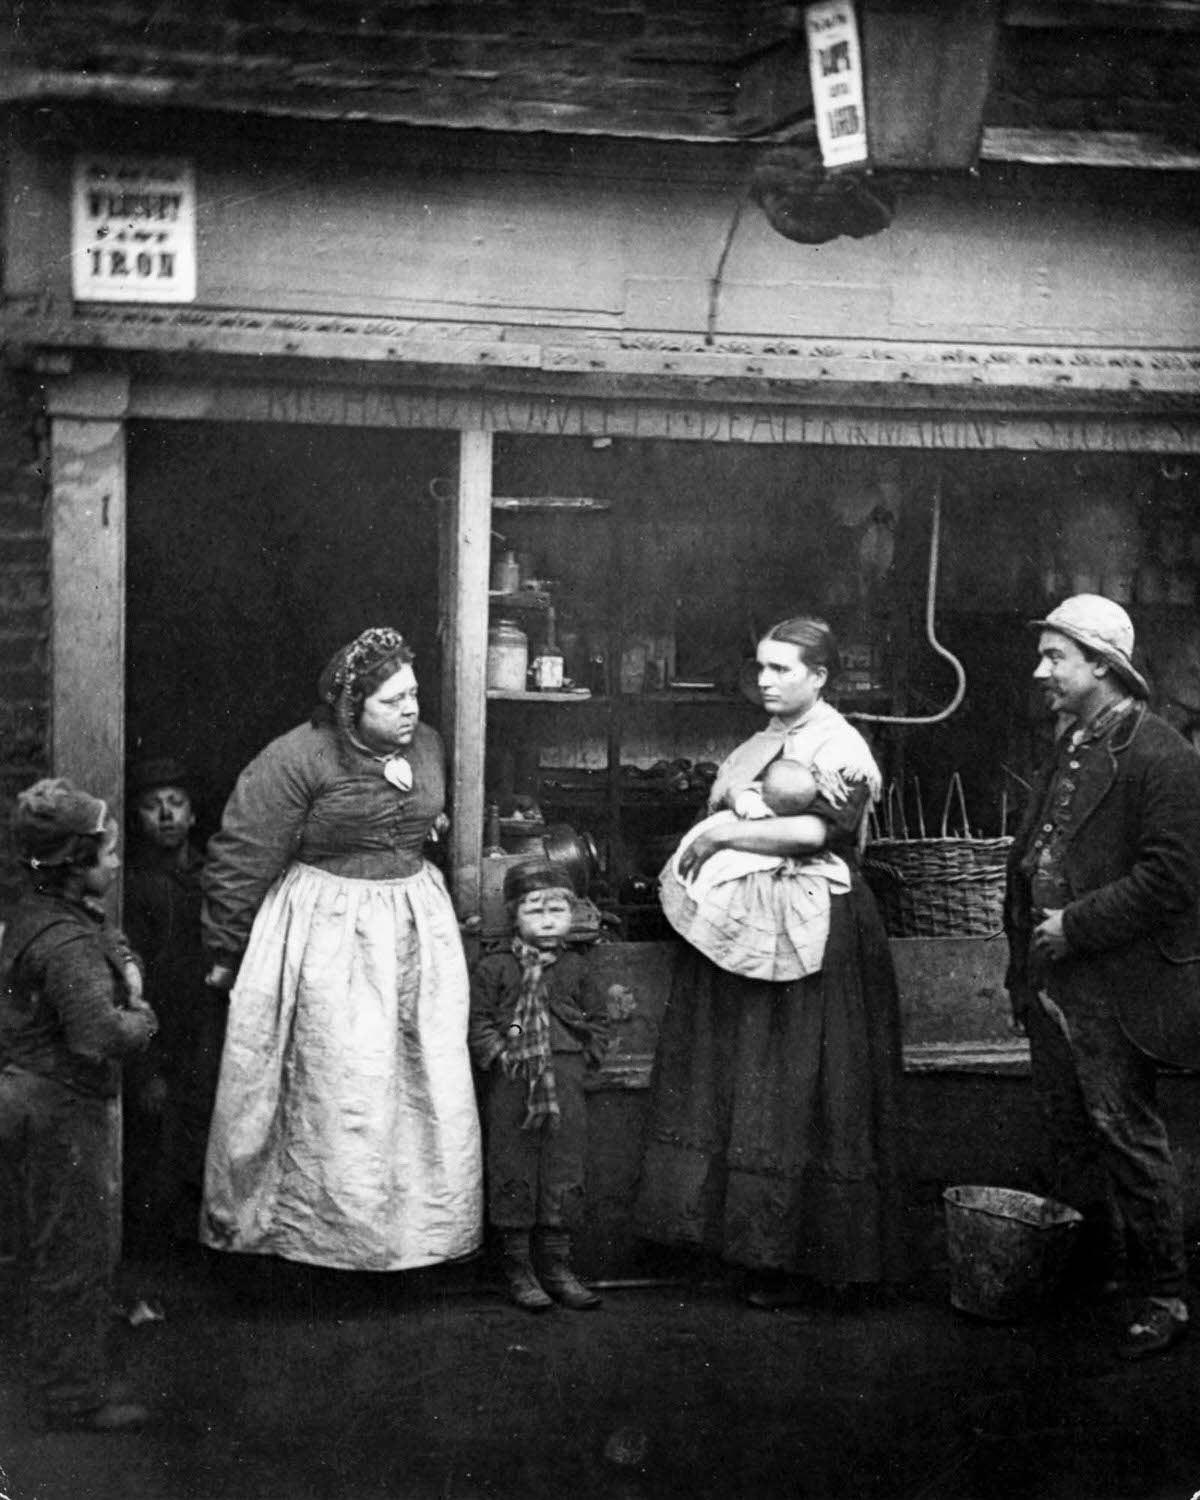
(548, 416)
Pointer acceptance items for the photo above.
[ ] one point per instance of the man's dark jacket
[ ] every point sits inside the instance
(1131, 859)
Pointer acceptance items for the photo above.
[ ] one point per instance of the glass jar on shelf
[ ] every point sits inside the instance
(507, 657)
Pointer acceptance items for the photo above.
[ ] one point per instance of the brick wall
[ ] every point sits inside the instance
(24, 606)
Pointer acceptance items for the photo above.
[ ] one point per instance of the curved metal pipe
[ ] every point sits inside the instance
(930, 634)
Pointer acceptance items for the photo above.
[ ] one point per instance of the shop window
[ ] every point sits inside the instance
(663, 562)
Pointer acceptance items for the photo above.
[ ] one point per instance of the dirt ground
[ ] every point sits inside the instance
(287, 1384)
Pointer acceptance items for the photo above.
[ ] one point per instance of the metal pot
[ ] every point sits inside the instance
(574, 852)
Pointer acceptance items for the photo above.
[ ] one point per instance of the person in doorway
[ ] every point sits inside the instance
(169, 1089)
(538, 1022)
(1104, 942)
(773, 1124)
(345, 1132)
(71, 1009)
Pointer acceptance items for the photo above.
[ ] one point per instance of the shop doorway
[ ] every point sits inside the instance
(253, 552)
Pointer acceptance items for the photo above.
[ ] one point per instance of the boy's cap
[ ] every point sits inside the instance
(162, 770)
(51, 816)
(535, 875)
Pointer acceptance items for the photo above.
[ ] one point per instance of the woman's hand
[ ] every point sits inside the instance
(702, 848)
(831, 786)
(219, 977)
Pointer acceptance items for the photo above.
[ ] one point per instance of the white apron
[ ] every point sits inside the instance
(345, 1131)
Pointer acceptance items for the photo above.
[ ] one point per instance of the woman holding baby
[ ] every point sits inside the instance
(772, 1134)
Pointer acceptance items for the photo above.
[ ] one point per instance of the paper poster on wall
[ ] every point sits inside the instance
(133, 229)
(835, 66)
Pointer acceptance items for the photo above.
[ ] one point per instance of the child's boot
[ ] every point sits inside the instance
(556, 1273)
(523, 1286)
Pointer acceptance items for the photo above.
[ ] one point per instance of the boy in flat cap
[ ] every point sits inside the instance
(169, 1090)
(538, 1022)
(1104, 938)
(71, 1009)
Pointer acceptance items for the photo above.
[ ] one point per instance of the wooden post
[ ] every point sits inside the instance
(928, 66)
(469, 537)
(87, 568)
(616, 853)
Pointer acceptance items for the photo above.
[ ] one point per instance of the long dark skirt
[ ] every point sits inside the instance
(773, 1124)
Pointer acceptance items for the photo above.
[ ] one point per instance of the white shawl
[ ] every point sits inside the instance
(767, 916)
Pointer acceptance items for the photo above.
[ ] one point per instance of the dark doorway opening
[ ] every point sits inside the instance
(253, 552)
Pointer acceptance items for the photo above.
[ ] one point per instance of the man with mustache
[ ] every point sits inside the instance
(1104, 939)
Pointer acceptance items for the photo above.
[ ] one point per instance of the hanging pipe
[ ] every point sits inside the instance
(930, 598)
(714, 283)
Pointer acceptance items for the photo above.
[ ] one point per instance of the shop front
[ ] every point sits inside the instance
(525, 428)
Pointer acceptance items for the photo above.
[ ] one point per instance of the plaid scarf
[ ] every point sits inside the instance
(528, 1055)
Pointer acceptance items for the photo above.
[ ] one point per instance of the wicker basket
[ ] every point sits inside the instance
(946, 887)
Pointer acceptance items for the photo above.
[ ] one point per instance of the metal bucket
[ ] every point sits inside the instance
(1008, 1250)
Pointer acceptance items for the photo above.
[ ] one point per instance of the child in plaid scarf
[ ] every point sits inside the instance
(538, 1022)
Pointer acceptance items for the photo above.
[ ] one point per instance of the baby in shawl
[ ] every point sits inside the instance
(766, 916)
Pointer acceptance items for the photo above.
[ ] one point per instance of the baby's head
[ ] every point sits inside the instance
(788, 788)
(539, 899)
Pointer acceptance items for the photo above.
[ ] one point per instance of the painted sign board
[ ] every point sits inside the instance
(549, 416)
(133, 229)
(107, 396)
(835, 67)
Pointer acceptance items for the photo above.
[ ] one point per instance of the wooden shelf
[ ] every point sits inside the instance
(504, 695)
(691, 695)
(550, 502)
(519, 599)
(879, 699)
(635, 796)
